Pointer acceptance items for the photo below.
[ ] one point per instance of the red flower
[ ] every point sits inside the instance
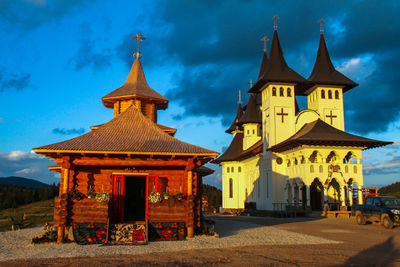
(167, 233)
(137, 235)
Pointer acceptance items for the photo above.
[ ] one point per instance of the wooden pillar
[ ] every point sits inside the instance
(66, 169)
(190, 228)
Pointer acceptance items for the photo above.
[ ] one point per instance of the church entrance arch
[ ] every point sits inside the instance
(334, 196)
(316, 195)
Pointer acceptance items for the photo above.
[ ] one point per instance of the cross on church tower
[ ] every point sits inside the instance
(275, 18)
(240, 97)
(251, 83)
(282, 114)
(138, 37)
(331, 116)
(321, 23)
(265, 40)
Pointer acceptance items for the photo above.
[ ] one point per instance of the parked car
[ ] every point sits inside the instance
(385, 210)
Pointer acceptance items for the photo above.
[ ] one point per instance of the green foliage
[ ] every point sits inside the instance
(391, 190)
(12, 196)
(214, 195)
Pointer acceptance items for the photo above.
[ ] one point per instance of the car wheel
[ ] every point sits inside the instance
(387, 222)
(360, 219)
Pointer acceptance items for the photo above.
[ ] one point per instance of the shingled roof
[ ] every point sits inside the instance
(263, 67)
(324, 73)
(135, 85)
(233, 151)
(252, 113)
(277, 69)
(319, 133)
(234, 124)
(130, 132)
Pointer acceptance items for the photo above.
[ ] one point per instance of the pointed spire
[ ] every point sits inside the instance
(277, 69)
(234, 126)
(136, 85)
(324, 73)
(252, 114)
(264, 60)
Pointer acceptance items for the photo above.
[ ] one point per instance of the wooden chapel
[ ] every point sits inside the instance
(129, 158)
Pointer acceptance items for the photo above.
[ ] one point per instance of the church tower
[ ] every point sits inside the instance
(277, 85)
(328, 85)
(136, 92)
(235, 127)
(251, 123)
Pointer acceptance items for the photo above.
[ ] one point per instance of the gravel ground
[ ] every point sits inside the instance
(16, 245)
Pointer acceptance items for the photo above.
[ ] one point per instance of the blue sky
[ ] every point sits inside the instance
(60, 57)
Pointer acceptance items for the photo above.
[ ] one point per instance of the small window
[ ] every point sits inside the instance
(273, 91)
(239, 169)
(321, 169)
(230, 188)
(248, 131)
(323, 94)
(330, 94)
(355, 169)
(289, 92)
(346, 169)
(311, 168)
(227, 169)
(254, 132)
(232, 169)
(281, 91)
(336, 94)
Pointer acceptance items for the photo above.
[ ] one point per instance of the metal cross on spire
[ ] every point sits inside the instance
(265, 40)
(251, 83)
(275, 18)
(321, 23)
(240, 97)
(138, 37)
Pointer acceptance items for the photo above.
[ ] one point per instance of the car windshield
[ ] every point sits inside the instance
(391, 201)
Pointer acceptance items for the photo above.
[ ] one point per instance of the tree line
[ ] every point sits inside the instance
(12, 196)
(214, 195)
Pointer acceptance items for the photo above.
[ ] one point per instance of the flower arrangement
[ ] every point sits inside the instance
(154, 197)
(75, 194)
(102, 197)
(180, 196)
(166, 195)
(91, 193)
(50, 235)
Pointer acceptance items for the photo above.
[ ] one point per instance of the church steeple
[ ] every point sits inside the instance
(136, 91)
(324, 73)
(264, 60)
(235, 126)
(251, 123)
(276, 69)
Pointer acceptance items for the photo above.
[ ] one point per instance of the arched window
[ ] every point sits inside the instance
(346, 169)
(311, 168)
(281, 91)
(355, 169)
(273, 91)
(227, 169)
(322, 93)
(232, 169)
(239, 169)
(329, 94)
(321, 169)
(336, 94)
(230, 188)
(289, 92)
(254, 132)
(248, 131)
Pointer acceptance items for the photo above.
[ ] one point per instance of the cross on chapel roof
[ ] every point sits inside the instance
(138, 37)
(321, 23)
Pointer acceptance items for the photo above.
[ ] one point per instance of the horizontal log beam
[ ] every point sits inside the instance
(130, 162)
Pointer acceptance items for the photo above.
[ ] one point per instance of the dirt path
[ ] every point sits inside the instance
(369, 245)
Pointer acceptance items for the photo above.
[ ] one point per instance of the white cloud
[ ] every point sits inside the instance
(358, 67)
(27, 171)
(27, 164)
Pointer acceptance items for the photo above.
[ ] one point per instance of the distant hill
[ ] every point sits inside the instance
(390, 190)
(21, 182)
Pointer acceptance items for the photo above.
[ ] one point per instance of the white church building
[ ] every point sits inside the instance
(281, 155)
